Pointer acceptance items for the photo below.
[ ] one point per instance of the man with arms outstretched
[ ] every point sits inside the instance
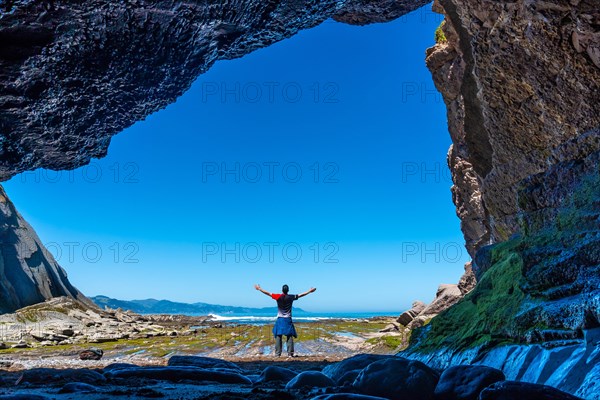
(284, 324)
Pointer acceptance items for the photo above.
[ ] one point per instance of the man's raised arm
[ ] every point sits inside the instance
(257, 287)
(309, 291)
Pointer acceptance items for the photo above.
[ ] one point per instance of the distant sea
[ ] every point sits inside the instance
(260, 319)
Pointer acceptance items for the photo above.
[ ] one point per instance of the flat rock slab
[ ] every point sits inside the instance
(175, 374)
(50, 375)
(202, 362)
(512, 390)
(465, 382)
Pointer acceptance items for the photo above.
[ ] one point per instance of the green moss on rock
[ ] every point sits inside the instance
(487, 313)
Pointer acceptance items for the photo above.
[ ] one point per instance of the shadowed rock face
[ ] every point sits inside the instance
(75, 73)
(28, 272)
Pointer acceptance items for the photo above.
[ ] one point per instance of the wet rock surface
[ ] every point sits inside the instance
(508, 390)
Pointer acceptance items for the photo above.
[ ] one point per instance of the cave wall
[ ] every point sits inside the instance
(519, 80)
(73, 73)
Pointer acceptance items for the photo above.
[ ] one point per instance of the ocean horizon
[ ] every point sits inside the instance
(260, 318)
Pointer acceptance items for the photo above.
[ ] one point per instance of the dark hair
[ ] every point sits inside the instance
(285, 289)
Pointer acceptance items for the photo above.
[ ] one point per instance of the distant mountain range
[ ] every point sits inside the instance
(153, 306)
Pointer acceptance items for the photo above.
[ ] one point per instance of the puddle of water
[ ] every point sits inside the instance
(347, 334)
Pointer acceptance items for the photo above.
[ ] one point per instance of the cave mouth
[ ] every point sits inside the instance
(323, 155)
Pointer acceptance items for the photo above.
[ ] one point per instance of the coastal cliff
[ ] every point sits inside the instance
(28, 272)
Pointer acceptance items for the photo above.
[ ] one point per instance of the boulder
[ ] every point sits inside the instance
(310, 379)
(358, 362)
(409, 315)
(447, 295)
(45, 375)
(511, 390)
(465, 382)
(78, 387)
(202, 362)
(397, 378)
(274, 373)
(91, 354)
(180, 373)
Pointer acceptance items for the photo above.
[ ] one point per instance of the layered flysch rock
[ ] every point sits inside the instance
(28, 272)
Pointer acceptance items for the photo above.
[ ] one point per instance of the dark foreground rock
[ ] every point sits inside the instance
(23, 396)
(46, 375)
(398, 378)
(465, 382)
(310, 379)
(177, 374)
(78, 387)
(347, 396)
(356, 363)
(202, 362)
(276, 374)
(511, 390)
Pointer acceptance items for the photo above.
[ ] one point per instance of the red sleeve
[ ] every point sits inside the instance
(275, 296)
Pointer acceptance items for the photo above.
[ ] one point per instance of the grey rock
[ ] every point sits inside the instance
(407, 316)
(397, 379)
(310, 379)
(465, 382)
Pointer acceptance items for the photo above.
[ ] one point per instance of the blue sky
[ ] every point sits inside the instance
(319, 161)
